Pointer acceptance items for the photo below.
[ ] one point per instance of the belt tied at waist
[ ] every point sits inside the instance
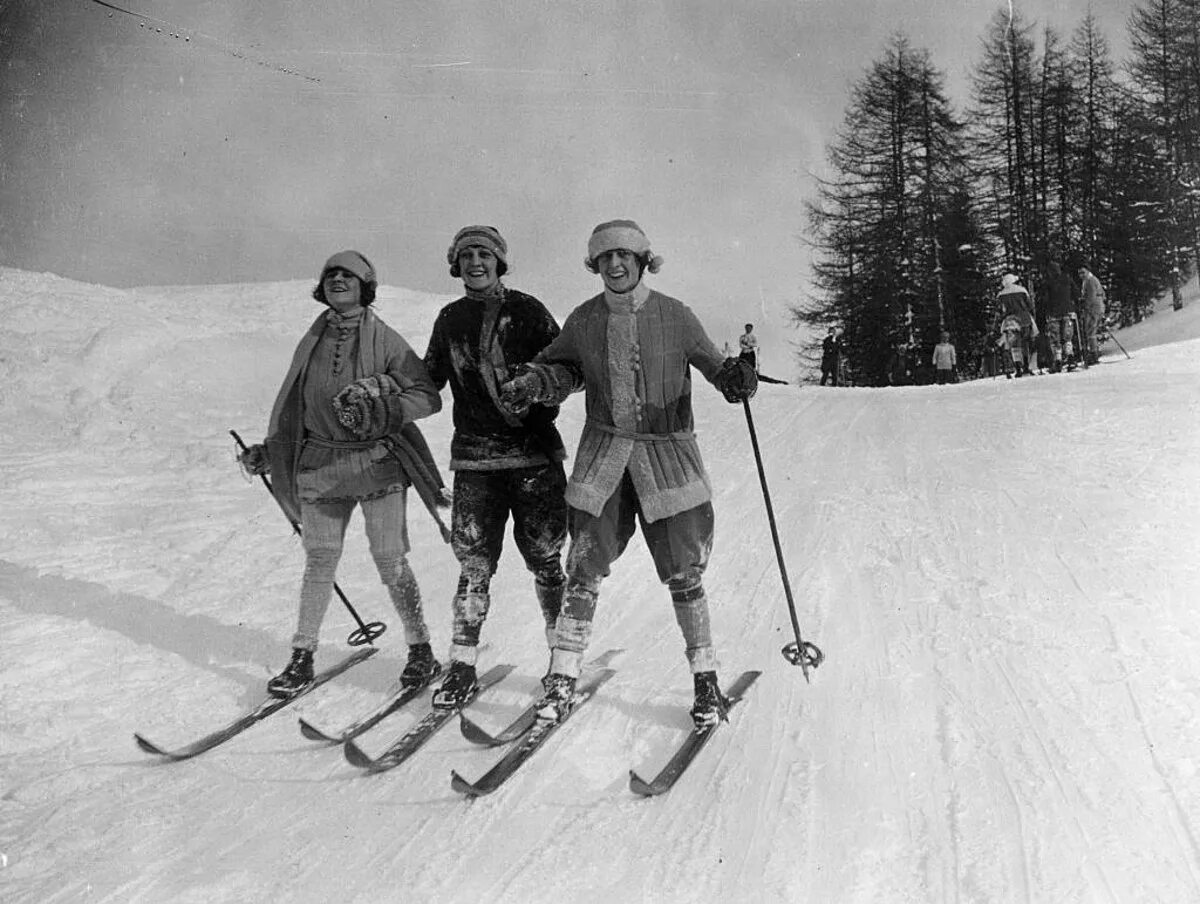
(641, 437)
(326, 443)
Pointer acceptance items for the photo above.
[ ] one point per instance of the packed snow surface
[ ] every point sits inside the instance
(1003, 575)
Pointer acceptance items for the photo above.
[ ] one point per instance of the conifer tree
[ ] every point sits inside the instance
(1165, 68)
(880, 225)
(1004, 116)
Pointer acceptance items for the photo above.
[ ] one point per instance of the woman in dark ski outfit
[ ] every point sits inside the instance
(341, 436)
(632, 350)
(502, 462)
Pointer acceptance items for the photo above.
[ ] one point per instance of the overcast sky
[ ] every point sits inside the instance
(222, 141)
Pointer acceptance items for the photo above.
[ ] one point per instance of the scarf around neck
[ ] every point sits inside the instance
(495, 292)
(627, 302)
(352, 318)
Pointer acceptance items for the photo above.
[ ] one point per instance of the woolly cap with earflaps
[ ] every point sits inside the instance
(621, 234)
(488, 237)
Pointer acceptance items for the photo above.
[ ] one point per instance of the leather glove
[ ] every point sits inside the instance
(255, 461)
(363, 407)
(737, 380)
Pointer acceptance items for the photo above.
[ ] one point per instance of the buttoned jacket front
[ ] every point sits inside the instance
(632, 355)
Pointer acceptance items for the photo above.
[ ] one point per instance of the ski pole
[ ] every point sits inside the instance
(800, 652)
(1113, 337)
(365, 633)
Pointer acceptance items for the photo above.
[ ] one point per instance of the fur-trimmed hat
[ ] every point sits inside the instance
(352, 262)
(488, 237)
(621, 234)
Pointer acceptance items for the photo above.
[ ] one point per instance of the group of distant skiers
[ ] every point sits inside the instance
(342, 434)
(1070, 336)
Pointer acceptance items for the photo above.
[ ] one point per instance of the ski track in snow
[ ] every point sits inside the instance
(1002, 575)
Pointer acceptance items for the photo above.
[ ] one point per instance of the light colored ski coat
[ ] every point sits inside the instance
(380, 350)
(633, 354)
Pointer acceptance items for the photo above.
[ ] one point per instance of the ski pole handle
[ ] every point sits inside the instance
(263, 477)
(366, 633)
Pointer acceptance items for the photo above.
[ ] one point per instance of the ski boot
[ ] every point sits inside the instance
(296, 677)
(421, 667)
(558, 699)
(711, 705)
(459, 685)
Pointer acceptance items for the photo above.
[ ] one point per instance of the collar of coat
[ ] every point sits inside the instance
(345, 321)
(494, 293)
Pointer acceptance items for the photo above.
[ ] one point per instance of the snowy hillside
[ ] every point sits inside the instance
(1003, 575)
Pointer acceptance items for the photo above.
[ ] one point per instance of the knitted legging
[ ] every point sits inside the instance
(324, 530)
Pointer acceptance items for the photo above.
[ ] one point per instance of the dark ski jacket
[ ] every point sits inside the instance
(475, 347)
(1058, 294)
(831, 347)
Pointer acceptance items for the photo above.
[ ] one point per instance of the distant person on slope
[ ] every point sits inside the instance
(349, 399)
(1016, 303)
(503, 461)
(632, 349)
(748, 343)
(1092, 309)
(945, 359)
(898, 371)
(1010, 340)
(1060, 316)
(831, 352)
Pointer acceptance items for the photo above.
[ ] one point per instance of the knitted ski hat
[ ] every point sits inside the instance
(621, 234)
(1008, 280)
(488, 237)
(352, 262)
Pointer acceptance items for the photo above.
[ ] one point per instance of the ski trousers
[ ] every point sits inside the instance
(829, 370)
(483, 501)
(1090, 326)
(680, 546)
(1061, 332)
(323, 531)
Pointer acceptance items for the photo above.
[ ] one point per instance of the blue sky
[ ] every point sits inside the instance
(216, 141)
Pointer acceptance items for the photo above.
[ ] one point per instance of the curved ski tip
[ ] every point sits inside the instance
(640, 786)
(356, 756)
(462, 786)
(473, 733)
(313, 733)
(148, 746)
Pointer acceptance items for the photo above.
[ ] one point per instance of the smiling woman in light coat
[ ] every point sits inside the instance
(632, 349)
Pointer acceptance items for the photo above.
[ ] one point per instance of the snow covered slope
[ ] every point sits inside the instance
(1002, 574)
